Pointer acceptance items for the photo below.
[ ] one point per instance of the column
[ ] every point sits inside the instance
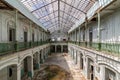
(30, 31)
(38, 61)
(76, 35)
(76, 58)
(43, 55)
(99, 33)
(79, 34)
(30, 67)
(16, 25)
(18, 72)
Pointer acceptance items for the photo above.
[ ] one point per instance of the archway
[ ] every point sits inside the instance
(90, 69)
(9, 73)
(76, 60)
(109, 74)
(36, 63)
(41, 58)
(26, 69)
(81, 61)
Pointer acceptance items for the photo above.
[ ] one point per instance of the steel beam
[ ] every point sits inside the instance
(44, 6)
(73, 7)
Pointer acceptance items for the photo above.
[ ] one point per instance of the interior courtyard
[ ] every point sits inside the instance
(59, 39)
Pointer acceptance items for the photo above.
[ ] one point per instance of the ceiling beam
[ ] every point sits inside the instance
(44, 6)
(73, 7)
(69, 15)
(48, 14)
(59, 13)
(49, 20)
(57, 17)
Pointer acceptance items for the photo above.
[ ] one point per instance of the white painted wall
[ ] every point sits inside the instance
(23, 25)
(110, 26)
(3, 74)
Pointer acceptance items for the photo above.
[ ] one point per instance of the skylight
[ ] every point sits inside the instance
(58, 14)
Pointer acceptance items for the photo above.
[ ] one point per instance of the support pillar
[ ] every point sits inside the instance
(18, 72)
(76, 35)
(99, 32)
(76, 57)
(45, 53)
(38, 59)
(30, 67)
(16, 25)
(79, 35)
(43, 56)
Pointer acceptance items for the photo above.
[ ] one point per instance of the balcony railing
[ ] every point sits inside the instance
(18, 46)
(107, 47)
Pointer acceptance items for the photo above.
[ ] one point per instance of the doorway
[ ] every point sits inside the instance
(11, 34)
(90, 37)
(25, 39)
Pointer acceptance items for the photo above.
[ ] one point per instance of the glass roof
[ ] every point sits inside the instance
(58, 14)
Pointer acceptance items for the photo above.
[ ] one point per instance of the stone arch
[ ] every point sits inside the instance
(90, 57)
(41, 57)
(36, 60)
(27, 66)
(90, 67)
(110, 66)
(8, 64)
(81, 60)
(28, 55)
(9, 71)
(110, 71)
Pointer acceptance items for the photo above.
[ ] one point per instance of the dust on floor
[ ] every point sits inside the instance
(52, 72)
(59, 67)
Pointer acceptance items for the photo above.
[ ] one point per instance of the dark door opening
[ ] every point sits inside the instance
(11, 34)
(90, 36)
(25, 65)
(32, 37)
(59, 48)
(81, 61)
(83, 34)
(52, 48)
(25, 39)
(92, 72)
(65, 48)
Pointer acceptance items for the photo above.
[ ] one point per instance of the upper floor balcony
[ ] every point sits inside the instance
(13, 47)
(110, 48)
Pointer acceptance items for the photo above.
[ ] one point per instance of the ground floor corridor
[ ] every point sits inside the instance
(64, 62)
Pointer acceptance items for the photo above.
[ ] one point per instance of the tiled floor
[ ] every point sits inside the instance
(66, 62)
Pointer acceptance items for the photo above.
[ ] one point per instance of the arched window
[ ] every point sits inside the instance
(11, 30)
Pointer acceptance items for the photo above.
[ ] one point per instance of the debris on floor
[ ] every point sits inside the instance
(59, 67)
(52, 72)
